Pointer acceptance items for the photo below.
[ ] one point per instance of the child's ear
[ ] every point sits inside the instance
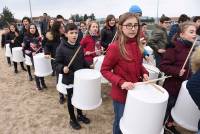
(66, 35)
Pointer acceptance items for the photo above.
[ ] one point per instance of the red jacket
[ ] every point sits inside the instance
(118, 70)
(89, 44)
(172, 63)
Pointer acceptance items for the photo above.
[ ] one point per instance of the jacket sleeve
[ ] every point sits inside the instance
(8, 39)
(155, 40)
(47, 48)
(110, 60)
(83, 44)
(193, 85)
(167, 64)
(59, 61)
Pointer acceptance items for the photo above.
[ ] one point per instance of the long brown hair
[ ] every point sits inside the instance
(122, 39)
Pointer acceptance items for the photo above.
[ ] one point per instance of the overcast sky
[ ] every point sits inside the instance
(101, 8)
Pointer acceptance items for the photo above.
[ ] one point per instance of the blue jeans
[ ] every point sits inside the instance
(119, 110)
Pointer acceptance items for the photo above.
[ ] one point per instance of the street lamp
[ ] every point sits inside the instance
(30, 9)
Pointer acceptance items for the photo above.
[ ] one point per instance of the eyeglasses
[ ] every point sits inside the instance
(130, 26)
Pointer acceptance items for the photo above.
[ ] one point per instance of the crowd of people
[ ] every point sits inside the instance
(122, 41)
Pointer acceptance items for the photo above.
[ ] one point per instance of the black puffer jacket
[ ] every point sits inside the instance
(107, 35)
(64, 54)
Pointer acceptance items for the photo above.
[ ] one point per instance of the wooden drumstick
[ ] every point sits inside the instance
(74, 56)
(158, 88)
(189, 54)
(151, 81)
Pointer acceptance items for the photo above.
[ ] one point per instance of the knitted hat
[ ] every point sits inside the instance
(135, 9)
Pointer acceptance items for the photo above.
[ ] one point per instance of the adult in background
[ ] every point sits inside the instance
(108, 32)
(158, 40)
(44, 24)
(175, 29)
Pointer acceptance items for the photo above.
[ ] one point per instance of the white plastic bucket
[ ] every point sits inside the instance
(28, 60)
(8, 51)
(144, 110)
(17, 54)
(60, 86)
(153, 71)
(42, 65)
(87, 89)
(185, 112)
(97, 66)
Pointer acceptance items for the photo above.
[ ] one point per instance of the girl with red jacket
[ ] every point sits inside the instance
(91, 42)
(122, 64)
(172, 63)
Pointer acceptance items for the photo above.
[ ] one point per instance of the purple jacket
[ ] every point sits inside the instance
(172, 63)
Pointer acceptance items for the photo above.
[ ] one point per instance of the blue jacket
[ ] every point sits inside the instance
(193, 86)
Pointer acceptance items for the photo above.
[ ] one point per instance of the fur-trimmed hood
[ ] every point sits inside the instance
(195, 60)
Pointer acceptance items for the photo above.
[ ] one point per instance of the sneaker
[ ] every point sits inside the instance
(16, 71)
(30, 78)
(44, 86)
(171, 130)
(75, 125)
(83, 118)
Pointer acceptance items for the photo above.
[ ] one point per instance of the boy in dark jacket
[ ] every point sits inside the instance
(64, 53)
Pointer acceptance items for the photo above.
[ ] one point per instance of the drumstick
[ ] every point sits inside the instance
(53, 59)
(189, 54)
(151, 81)
(158, 88)
(74, 56)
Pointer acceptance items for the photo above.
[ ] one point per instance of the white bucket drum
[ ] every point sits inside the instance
(185, 112)
(42, 65)
(17, 54)
(28, 60)
(97, 66)
(87, 89)
(8, 51)
(149, 50)
(144, 110)
(60, 86)
(153, 71)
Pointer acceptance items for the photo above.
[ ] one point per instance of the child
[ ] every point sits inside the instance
(6, 30)
(32, 45)
(193, 83)
(122, 64)
(172, 63)
(14, 40)
(64, 53)
(90, 43)
(108, 32)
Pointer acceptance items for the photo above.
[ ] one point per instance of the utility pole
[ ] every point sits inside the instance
(30, 9)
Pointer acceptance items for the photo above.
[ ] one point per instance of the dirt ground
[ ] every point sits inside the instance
(26, 111)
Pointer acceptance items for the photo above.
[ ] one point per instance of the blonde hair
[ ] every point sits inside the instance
(195, 60)
(89, 26)
(121, 37)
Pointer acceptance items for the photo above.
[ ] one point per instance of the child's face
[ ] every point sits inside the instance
(112, 22)
(6, 30)
(51, 23)
(62, 29)
(130, 27)
(94, 28)
(32, 29)
(72, 36)
(198, 22)
(25, 22)
(189, 33)
(12, 28)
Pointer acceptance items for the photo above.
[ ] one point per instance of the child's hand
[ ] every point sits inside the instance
(92, 66)
(65, 69)
(127, 85)
(145, 77)
(87, 53)
(47, 56)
